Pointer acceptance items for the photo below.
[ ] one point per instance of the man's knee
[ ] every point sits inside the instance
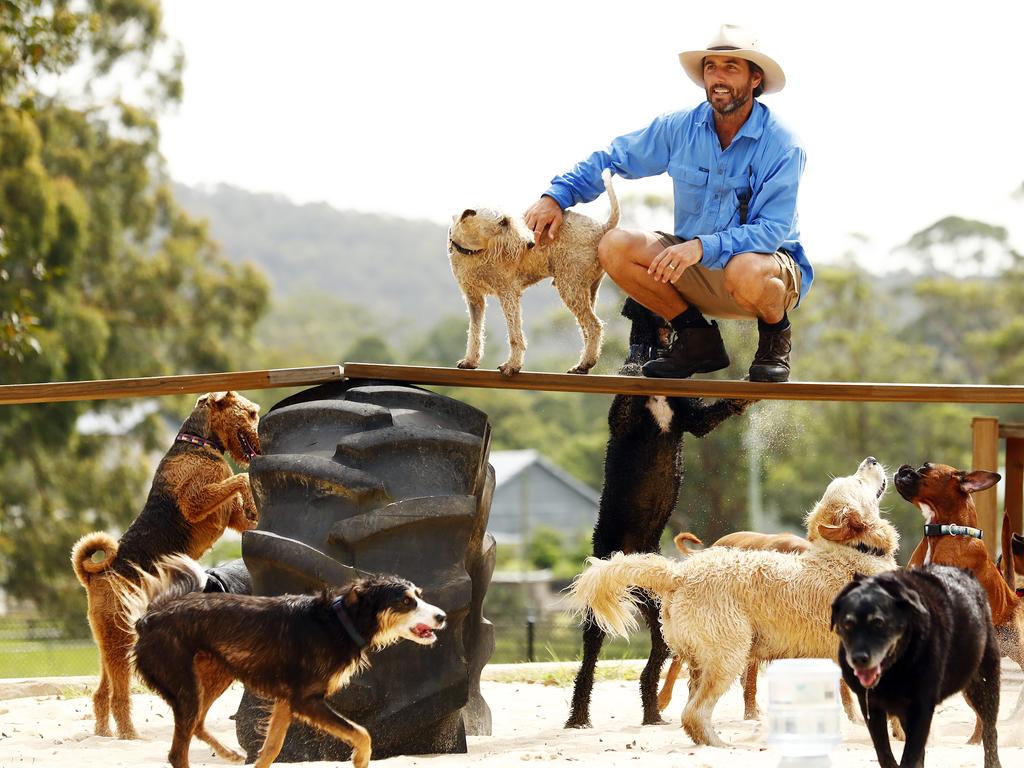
(746, 271)
(613, 248)
(619, 247)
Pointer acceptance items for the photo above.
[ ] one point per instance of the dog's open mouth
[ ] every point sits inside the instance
(868, 676)
(423, 632)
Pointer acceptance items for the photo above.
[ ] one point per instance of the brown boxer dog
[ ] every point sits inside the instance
(952, 537)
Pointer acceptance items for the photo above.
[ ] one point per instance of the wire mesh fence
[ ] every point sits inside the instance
(42, 648)
(557, 637)
(35, 647)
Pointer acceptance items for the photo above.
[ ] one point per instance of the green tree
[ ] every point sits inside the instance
(102, 275)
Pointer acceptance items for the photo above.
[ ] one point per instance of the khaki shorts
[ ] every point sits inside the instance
(705, 288)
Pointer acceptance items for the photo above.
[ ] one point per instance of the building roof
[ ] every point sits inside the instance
(509, 464)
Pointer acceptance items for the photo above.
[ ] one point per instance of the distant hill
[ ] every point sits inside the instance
(396, 266)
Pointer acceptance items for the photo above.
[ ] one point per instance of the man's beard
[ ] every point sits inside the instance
(737, 101)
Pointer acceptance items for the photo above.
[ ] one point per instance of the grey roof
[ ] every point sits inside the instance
(509, 464)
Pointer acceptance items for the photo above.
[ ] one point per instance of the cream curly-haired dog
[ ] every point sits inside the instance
(493, 254)
(723, 606)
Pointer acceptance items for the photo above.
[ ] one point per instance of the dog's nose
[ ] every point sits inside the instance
(871, 460)
(859, 658)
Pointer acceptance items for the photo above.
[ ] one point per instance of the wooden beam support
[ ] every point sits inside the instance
(109, 389)
(639, 385)
(985, 454)
(1013, 489)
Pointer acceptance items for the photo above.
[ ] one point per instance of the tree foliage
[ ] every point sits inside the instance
(102, 274)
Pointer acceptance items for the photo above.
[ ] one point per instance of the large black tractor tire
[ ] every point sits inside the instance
(370, 476)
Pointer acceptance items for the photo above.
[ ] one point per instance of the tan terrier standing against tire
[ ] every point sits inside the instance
(494, 254)
(195, 496)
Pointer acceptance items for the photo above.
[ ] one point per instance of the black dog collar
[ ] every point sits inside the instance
(185, 437)
(346, 622)
(953, 530)
(464, 251)
(876, 551)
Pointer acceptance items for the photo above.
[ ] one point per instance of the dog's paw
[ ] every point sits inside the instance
(509, 370)
(360, 758)
(580, 369)
(466, 364)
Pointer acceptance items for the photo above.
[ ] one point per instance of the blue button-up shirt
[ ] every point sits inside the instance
(763, 162)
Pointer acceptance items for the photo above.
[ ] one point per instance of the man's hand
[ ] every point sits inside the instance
(668, 265)
(544, 214)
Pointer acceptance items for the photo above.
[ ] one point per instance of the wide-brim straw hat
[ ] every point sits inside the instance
(733, 40)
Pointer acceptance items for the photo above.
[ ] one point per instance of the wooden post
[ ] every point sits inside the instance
(985, 432)
(1013, 490)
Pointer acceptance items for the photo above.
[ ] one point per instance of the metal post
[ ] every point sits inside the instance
(531, 624)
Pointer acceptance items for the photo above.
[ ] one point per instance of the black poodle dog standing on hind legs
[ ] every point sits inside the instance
(643, 470)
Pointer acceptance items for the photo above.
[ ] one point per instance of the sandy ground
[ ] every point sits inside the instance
(41, 728)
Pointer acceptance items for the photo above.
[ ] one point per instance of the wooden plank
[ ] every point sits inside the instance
(985, 450)
(108, 389)
(639, 385)
(1007, 431)
(1013, 490)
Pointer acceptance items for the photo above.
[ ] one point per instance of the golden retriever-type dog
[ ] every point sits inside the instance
(195, 495)
(721, 606)
(492, 253)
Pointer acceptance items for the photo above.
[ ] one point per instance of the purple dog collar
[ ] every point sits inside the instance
(185, 437)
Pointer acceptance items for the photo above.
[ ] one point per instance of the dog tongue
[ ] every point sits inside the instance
(869, 676)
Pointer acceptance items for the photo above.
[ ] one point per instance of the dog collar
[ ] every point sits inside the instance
(185, 437)
(868, 550)
(346, 622)
(953, 530)
(464, 251)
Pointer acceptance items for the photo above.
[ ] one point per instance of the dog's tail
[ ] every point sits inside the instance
(173, 576)
(681, 540)
(93, 554)
(613, 217)
(605, 588)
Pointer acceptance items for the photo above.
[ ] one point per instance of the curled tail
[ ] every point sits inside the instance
(173, 576)
(605, 588)
(681, 540)
(93, 554)
(613, 217)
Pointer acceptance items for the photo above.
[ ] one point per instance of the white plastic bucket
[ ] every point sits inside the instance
(804, 710)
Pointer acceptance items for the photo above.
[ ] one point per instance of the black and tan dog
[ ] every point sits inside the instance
(293, 649)
(195, 496)
(911, 639)
(643, 470)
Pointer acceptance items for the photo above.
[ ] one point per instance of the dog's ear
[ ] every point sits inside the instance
(978, 480)
(202, 399)
(904, 595)
(467, 212)
(850, 526)
(220, 400)
(353, 595)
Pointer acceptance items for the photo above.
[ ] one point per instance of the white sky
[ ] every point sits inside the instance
(910, 111)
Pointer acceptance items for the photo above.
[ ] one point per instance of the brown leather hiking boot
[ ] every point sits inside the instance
(771, 361)
(694, 350)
